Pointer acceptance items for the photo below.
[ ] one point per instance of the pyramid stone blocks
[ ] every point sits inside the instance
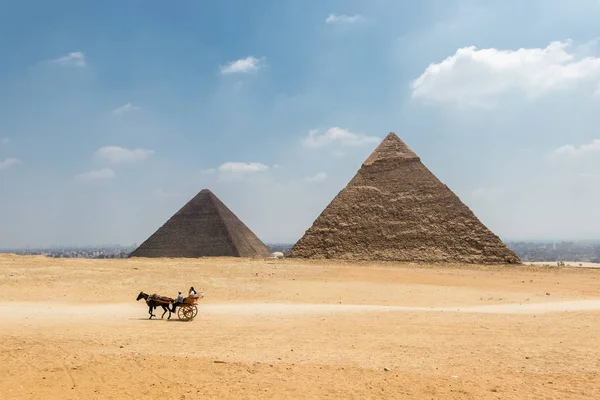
(204, 227)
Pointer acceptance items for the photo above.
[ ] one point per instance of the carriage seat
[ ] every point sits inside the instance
(191, 299)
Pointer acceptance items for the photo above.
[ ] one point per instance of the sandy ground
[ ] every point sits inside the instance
(270, 329)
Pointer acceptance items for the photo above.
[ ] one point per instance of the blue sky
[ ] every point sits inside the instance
(113, 114)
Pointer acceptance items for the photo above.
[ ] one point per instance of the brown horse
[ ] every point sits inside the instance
(155, 300)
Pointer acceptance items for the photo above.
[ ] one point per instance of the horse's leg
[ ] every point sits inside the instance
(164, 312)
(169, 310)
(152, 306)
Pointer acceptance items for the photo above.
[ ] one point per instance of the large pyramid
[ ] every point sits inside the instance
(396, 209)
(204, 227)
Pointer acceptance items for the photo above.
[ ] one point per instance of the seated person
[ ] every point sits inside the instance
(180, 299)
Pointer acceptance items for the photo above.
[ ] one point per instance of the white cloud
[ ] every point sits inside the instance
(338, 154)
(320, 177)
(589, 48)
(248, 64)
(318, 139)
(76, 59)
(4, 141)
(116, 154)
(9, 162)
(242, 168)
(96, 175)
(578, 151)
(343, 19)
(473, 77)
(251, 172)
(125, 109)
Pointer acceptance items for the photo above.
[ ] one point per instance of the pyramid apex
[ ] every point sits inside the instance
(206, 192)
(392, 148)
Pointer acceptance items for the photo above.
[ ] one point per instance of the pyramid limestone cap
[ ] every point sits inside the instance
(392, 148)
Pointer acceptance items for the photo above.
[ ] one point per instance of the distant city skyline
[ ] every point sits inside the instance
(134, 245)
(553, 251)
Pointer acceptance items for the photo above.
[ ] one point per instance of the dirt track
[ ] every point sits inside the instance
(72, 329)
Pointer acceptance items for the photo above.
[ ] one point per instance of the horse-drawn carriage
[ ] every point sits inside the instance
(186, 310)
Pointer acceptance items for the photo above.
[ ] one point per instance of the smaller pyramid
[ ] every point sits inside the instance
(204, 227)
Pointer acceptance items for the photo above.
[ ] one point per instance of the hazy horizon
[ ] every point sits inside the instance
(107, 245)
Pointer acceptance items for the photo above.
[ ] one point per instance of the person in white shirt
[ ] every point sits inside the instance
(178, 301)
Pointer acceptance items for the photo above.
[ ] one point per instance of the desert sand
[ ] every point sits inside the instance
(71, 329)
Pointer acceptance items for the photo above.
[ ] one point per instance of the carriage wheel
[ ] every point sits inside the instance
(190, 312)
(186, 313)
